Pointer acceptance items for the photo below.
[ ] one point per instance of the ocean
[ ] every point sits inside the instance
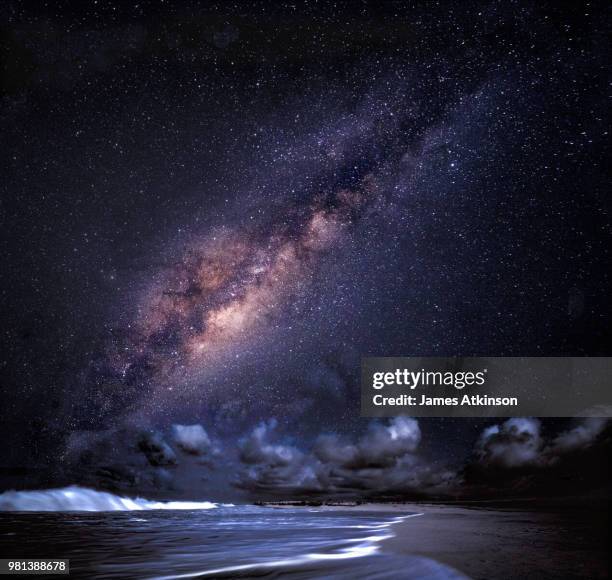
(107, 536)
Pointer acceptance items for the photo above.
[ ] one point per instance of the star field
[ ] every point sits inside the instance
(211, 211)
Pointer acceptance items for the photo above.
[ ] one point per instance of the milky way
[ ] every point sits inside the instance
(231, 288)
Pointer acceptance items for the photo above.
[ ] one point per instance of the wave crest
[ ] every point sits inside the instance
(75, 498)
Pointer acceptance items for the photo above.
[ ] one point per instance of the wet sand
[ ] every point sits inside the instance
(530, 540)
(506, 544)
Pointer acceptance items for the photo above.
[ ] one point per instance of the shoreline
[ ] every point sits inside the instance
(493, 543)
(548, 540)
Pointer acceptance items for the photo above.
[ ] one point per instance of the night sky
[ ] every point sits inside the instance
(211, 212)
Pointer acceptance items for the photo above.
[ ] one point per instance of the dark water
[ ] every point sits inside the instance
(230, 541)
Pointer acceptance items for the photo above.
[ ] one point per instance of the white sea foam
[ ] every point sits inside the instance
(364, 547)
(75, 498)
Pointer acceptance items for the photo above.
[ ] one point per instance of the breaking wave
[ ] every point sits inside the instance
(75, 498)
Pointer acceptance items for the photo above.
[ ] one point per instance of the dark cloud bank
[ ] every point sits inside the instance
(513, 458)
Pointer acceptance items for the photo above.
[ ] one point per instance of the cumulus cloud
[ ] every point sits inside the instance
(121, 445)
(270, 466)
(122, 459)
(192, 439)
(582, 436)
(133, 459)
(381, 446)
(257, 448)
(514, 443)
(381, 461)
(518, 442)
(156, 450)
(517, 457)
(383, 443)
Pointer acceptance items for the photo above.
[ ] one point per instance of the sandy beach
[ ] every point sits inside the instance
(551, 540)
(503, 543)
